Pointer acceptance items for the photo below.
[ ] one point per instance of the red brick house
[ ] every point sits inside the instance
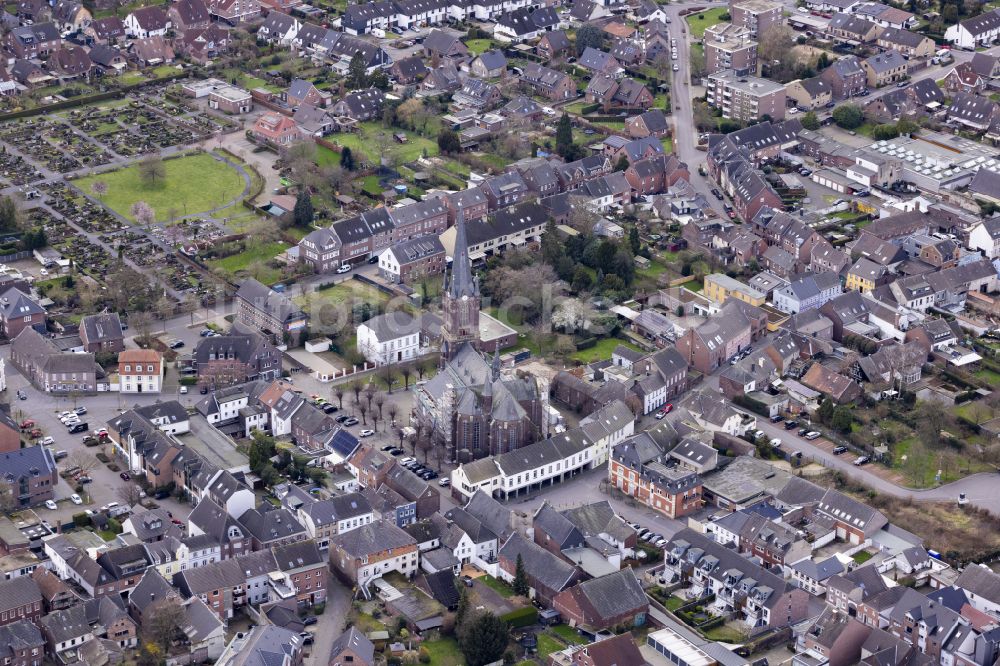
(19, 311)
(276, 129)
(20, 599)
(603, 603)
(306, 569)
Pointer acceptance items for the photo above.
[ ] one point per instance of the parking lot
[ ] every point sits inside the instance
(44, 410)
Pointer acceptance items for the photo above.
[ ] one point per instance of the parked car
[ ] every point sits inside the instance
(366, 433)
(717, 194)
(78, 427)
(351, 422)
(52, 506)
(812, 435)
(445, 482)
(346, 268)
(791, 424)
(837, 450)
(59, 455)
(124, 476)
(862, 460)
(342, 418)
(80, 411)
(75, 499)
(46, 441)
(962, 499)
(27, 424)
(183, 390)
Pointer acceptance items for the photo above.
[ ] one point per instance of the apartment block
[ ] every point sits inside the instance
(755, 15)
(729, 46)
(746, 98)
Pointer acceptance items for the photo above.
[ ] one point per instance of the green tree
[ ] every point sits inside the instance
(357, 76)
(582, 280)
(633, 240)
(564, 135)
(448, 142)
(622, 163)
(848, 116)
(261, 451)
(905, 126)
(842, 419)
(8, 214)
(588, 35)
(483, 639)
(825, 411)
(303, 212)
(886, 131)
(347, 159)
(810, 121)
(521, 586)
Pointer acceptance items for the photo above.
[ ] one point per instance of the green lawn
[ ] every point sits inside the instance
(862, 556)
(989, 375)
(326, 157)
(444, 652)
(724, 634)
(674, 602)
(568, 634)
(547, 645)
(653, 271)
(365, 142)
(668, 144)
(698, 22)
(601, 350)
(497, 585)
(477, 46)
(251, 262)
(193, 184)
(575, 107)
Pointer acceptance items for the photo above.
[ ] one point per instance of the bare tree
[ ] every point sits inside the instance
(338, 392)
(363, 409)
(376, 417)
(407, 371)
(161, 624)
(387, 374)
(80, 458)
(369, 394)
(356, 390)
(425, 444)
(355, 406)
(99, 188)
(379, 402)
(8, 498)
(129, 493)
(401, 435)
(393, 411)
(152, 169)
(143, 213)
(423, 367)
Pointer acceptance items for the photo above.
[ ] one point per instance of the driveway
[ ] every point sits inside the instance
(331, 623)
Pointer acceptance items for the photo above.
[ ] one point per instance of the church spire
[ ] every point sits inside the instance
(496, 364)
(461, 282)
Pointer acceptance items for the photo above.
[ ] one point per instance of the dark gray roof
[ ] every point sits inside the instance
(28, 462)
(297, 555)
(271, 525)
(460, 282)
(339, 507)
(980, 581)
(613, 595)
(67, 624)
(541, 565)
(356, 642)
(263, 298)
(15, 303)
(494, 59)
(18, 636)
(268, 646)
(372, 538)
(18, 592)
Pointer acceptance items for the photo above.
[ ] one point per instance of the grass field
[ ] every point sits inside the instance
(698, 22)
(365, 143)
(477, 46)
(567, 633)
(251, 262)
(547, 645)
(601, 350)
(444, 652)
(193, 184)
(498, 586)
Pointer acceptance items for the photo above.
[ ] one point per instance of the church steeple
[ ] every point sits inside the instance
(460, 301)
(462, 282)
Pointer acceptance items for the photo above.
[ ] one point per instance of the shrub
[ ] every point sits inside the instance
(521, 617)
(81, 520)
(425, 655)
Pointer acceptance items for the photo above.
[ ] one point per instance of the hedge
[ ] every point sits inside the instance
(521, 617)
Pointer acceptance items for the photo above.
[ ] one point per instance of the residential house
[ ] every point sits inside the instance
(270, 312)
(146, 22)
(553, 45)
(962, 78)
(846, 76)
(885, 68)
(50, 369)
(549, 83)
(616, 599)
(237, 357)
(852, 29)
(547, 574)
(361, 105)
(19, 311)
(979, 30)
(489, 65)
(366, 553)
(102, 332)
(140, 371)
(810, 94)
(20, 598)
(910, 44)
(275, 129)
(188, 15)
(638, 468)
